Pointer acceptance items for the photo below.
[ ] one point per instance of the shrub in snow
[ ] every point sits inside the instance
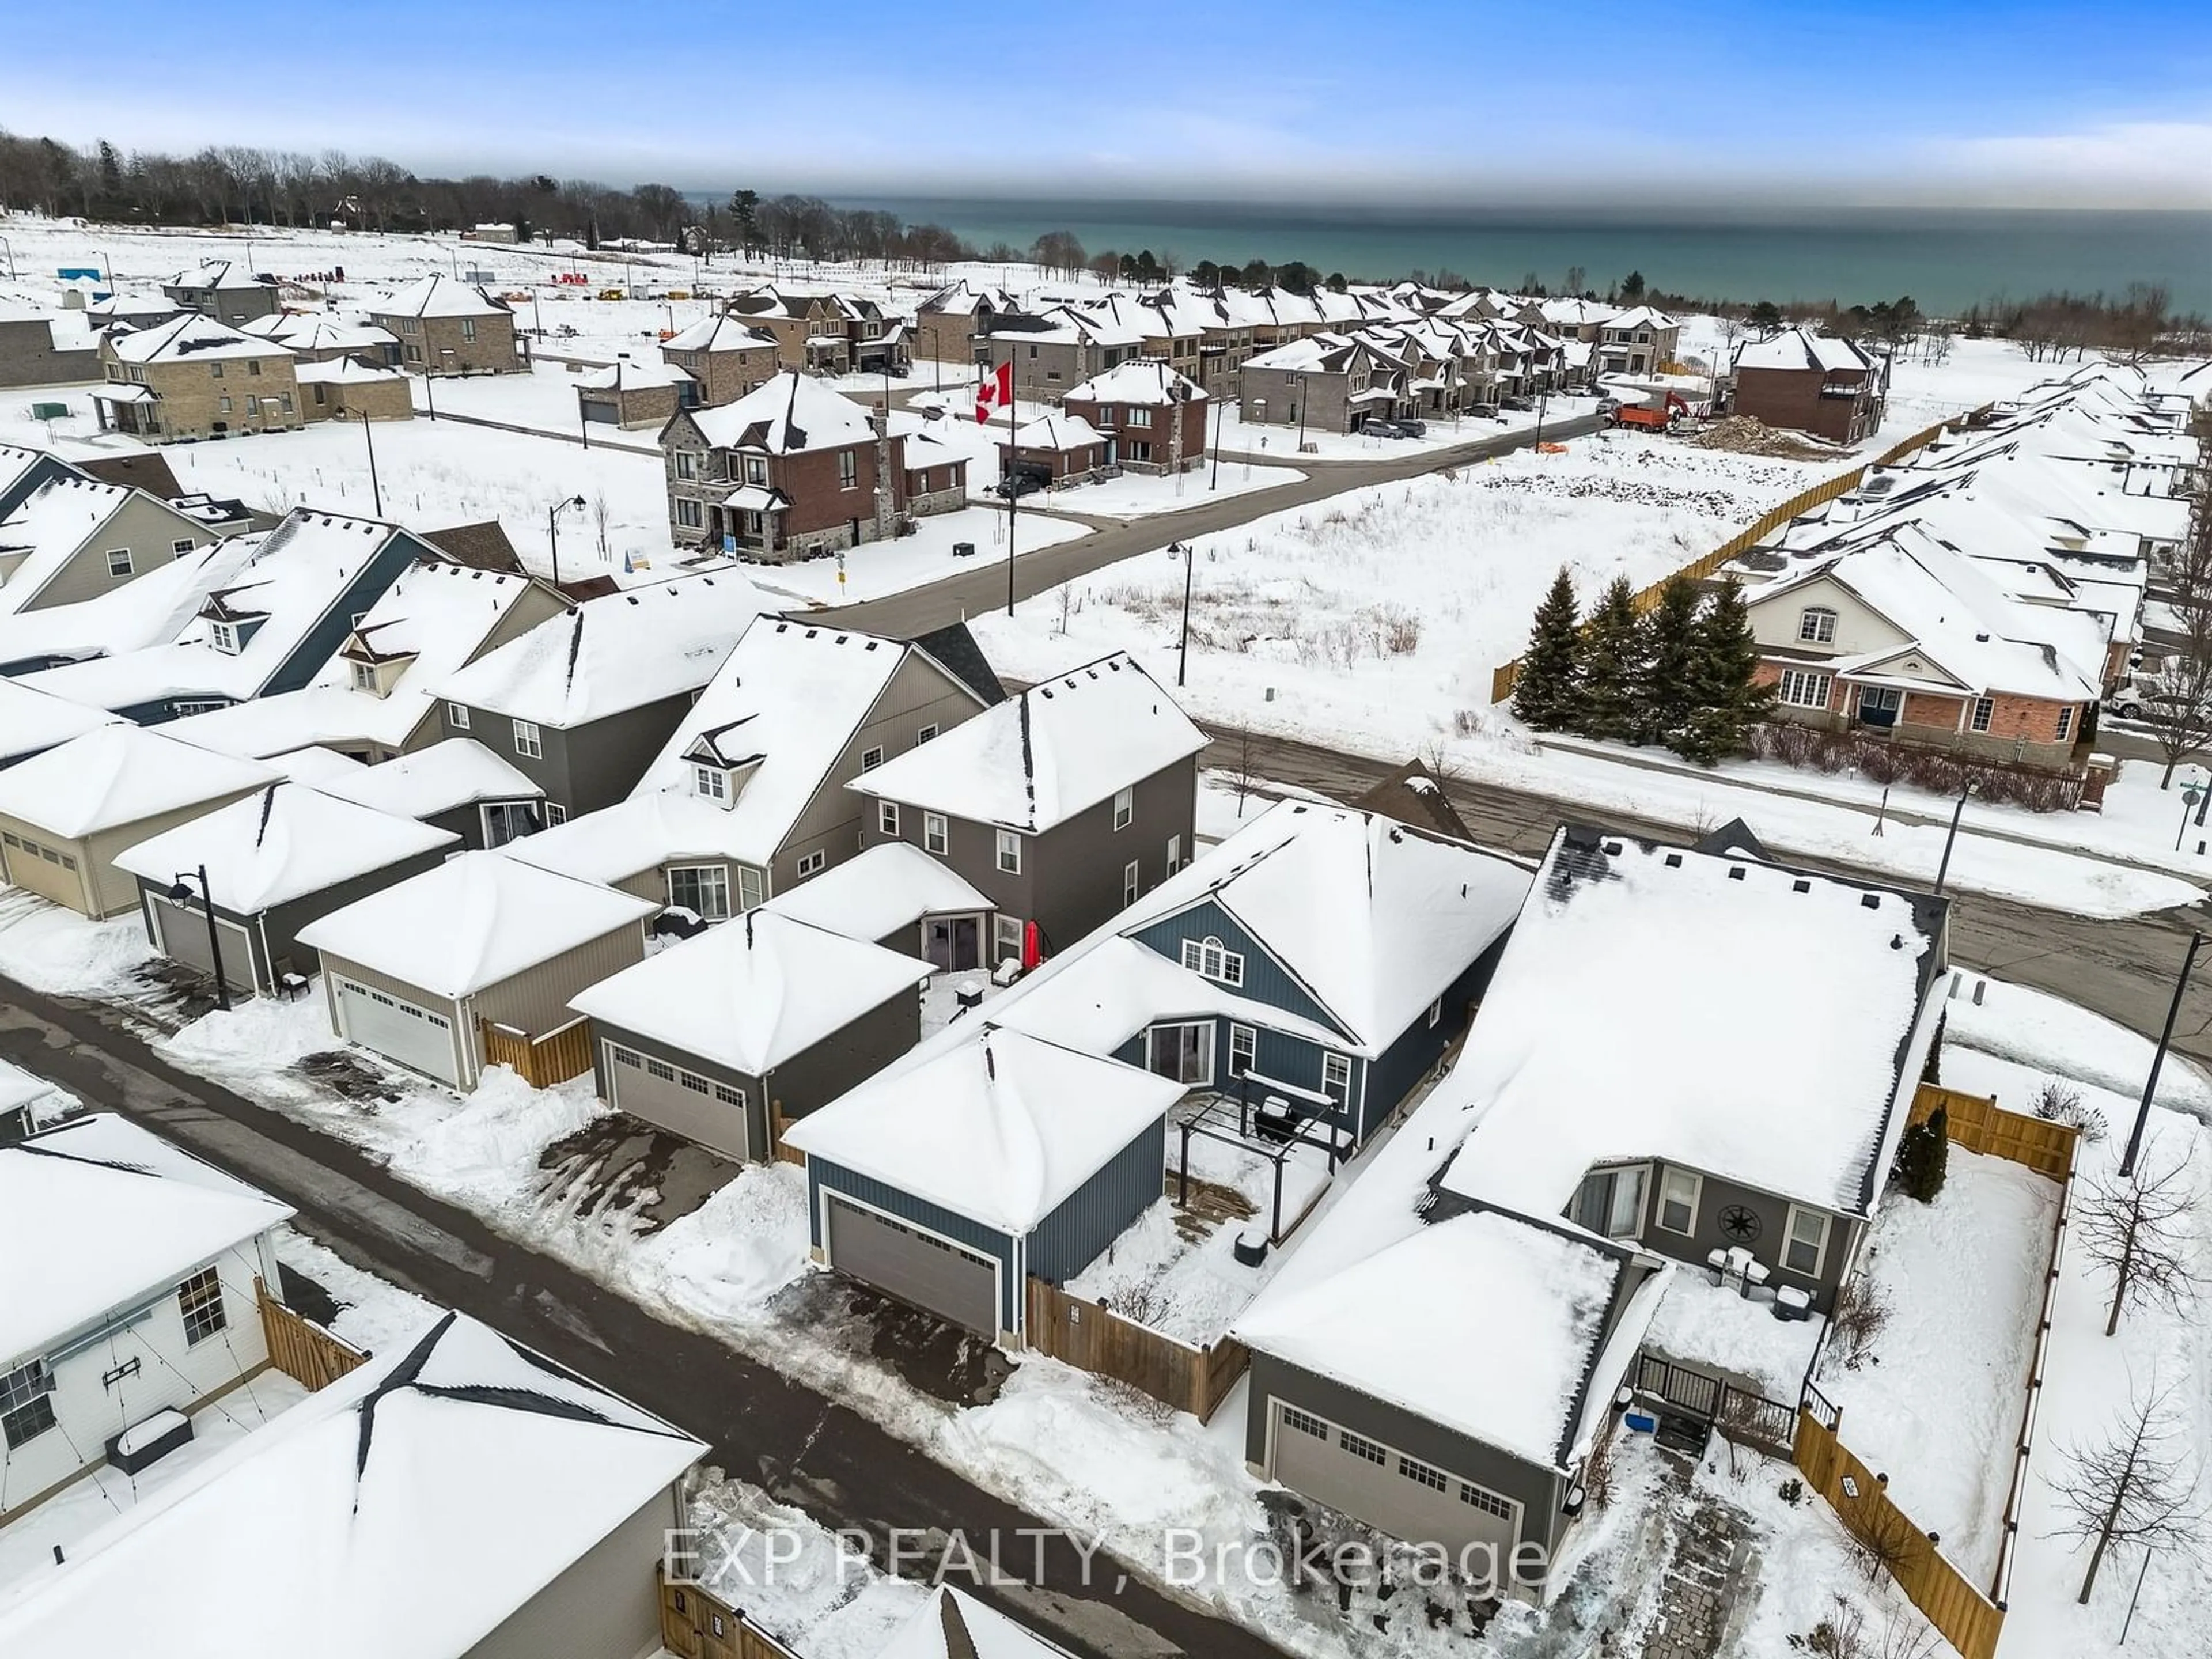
(2056, 1101)
(1923, 1156)
(1933, 1071)
(1860, 1315)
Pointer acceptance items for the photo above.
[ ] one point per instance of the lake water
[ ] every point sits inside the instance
(1946, 259)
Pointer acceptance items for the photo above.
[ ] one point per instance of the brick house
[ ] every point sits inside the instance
(1055, 349)
(946, 323)
(195, 378)
(351, 388)
(32, 353)
(1055, 449)
(224, 290)
(1323, 383)
(725, 358)
(829, 333)
(1813, 383)
(789, 471)
(446, 327)
(1909, 639)
(1153, 418)
(629, 394)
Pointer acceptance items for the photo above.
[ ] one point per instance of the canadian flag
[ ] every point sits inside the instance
(996, 392)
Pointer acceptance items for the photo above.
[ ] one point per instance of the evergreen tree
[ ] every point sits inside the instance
(1727, 702)
(1668, 690)
(1923, 1156)
(1632, 287)
(1612, 665)
(1546, 694)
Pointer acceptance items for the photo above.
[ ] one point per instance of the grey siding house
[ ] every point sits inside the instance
(1097, 808)
(276, 861)
(76, 538)
(727, 1037)
(916, 1188)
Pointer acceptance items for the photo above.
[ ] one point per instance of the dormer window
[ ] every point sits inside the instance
(364, 677)
(711, 783)
(225, 637)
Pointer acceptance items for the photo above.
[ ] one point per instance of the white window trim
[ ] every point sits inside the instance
(1248, 1038)
(1816, 625)
(457, 716)
(1435, 1014)
(1006, 936)
(1227, 966)
(1697, 1200)
(1789, 1241)
(225, 637)
(1009, 842)
(2065, 722)
(709, 876)
(1330, 1063)
(1125, 806)
(710, 783)
(887, 817)
(936, 834)
(1981, 714)
(529, 741)
(1131, 883)
(119, 563)
(1797, 687)
(925, 734)
(813, 864)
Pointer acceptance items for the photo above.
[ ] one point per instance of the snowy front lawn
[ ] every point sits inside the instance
(874, 569)
(1934, 1399)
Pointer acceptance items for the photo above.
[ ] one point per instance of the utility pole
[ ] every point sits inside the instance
(1182, 654)
(2158, 1060)
(1013, 481)
(375, 490)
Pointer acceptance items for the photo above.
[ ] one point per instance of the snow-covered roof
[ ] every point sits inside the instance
(628, 374)
(438, 295)
(49, 528)
(1000, 1127)
(31, 719)
(1037, 760)
(96, 1214)
(189, 338)
(953, 1624)
(1652, 1003)
(119, 775)
(318, 330)
(1512, 1378)
(1639, 317)
(614, 654)
(1057, 432)
(720, 334)
(753, 993)
(1802, 349)
(148, 609)
(343, 371)
(887, 889)
(474, 920)
(457, 772)
(361, 1513)
(1374, 918)
(790, 414)
(282, 843)
(290, 580)
(1138, 381)
(217, 274)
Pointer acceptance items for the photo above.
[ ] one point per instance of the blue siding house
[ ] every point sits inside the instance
(269, 629)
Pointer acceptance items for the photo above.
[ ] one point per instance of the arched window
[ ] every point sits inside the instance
(1817, 624)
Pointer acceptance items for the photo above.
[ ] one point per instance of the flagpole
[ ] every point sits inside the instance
(1012, 482)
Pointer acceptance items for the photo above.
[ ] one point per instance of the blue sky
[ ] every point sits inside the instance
(1453, 101)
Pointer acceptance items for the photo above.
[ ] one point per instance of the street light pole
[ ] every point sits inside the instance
(375, 489)
(553, 531)
(2158, 1060)
(182, 892)
(1183, 655)
(1220, 414)
(1944, 868)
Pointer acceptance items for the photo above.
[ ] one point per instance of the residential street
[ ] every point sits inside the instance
(839, 1467)
(984, 589)
(2122, 969)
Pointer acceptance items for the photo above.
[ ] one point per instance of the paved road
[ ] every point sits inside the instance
(2124, 969)
(984, 589)
(762, 1426)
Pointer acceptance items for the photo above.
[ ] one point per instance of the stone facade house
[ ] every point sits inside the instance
(1055, 349)
(33, 353)
(629, 394)
(826, 333)
(193, 377)
(1322, 382)
(446, 327)
(225, 290)
(1153, 418)
(351, 388)
(945, 324)
(1056, 448)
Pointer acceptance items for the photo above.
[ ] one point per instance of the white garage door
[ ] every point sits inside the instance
(915, 1266)
(701, 1109)
(413, 1037)
(1405, 1497)
(181, 931)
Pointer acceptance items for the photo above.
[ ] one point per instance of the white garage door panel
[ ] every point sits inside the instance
(1404, 1496)
(182, 932)
(49, 878)
(413, 1037)
(696, 1107)
(915, 1266)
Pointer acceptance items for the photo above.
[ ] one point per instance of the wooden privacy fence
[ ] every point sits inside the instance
(298, 1346)
(1969, 1620)
(695, 1625)
(1094, 1338)
(1506, 676)
(1977, 1123)
(540, 1061)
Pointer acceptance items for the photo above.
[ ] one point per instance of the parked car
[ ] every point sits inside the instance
(1412, 429)
(1518, 405)
(1489, 412)
(2132, 703)
(1018, 484)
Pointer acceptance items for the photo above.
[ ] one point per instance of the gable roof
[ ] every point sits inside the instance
(284, 843)
(1597, 1031)
(720, 334)
(954, 648)
(753, 993)
(368, 1496)
(59, 520)
(119, 775)
(457, 772)
(438, 295)
(475, 921)
(1414, 795)
(146, 469)
(483, 546)
(64, 1261)
(790, 414)
(32, 720)
(1000, 1127)
(1057, 748)
(216, 274)
(1802, 349)
(1139, 382)
(189, 338)
(886, 890)
(613, 653)
(1373, 919)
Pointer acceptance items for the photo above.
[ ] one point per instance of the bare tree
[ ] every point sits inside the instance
(1244, 779)
(2135, 1228)
(602, 516)
(2134, 1486)
(2178, 702)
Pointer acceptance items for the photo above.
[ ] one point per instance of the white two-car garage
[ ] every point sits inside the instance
(921, 1268)
(1405, 1496)
(407, 1032)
